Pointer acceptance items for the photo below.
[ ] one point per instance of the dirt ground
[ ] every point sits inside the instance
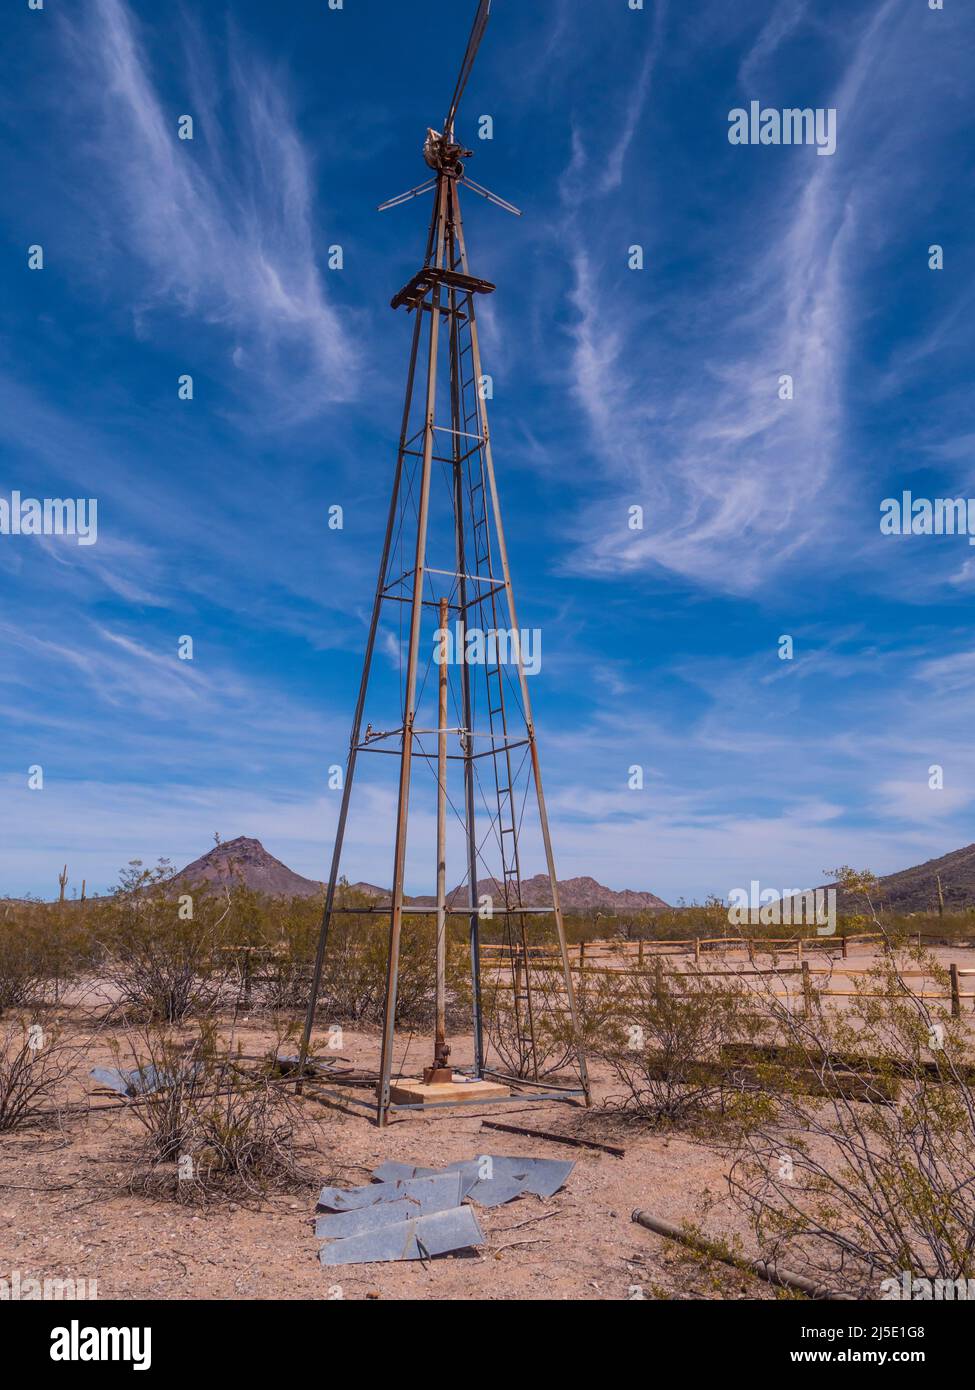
(65, 1213)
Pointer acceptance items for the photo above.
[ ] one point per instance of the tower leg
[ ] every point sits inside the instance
(409, 710)
(357, 727)
(523, 684)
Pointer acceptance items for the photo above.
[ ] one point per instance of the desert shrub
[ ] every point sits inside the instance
(213, 1129)
(161, 953)
(875, 1174)
(43, 946)
(189, 1067)
(34, 1065)
(280, 977)
(21, 965)
(661, 1036)
(354, 979)
(275, 973)
(62, 945)
(416, 986)
(280, 967)
(526, 1019)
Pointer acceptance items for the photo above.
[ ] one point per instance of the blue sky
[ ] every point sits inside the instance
(613, 388)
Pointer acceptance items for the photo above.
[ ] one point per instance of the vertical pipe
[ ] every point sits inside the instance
(409, 707)
(467, 738)
(526, 700)
(441, 1025)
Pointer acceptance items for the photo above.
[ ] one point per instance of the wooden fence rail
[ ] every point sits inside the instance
(584, 970)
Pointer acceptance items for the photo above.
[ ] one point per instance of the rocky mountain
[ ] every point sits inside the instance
(246, 861)
(575, 895)
(584, 894)
(369, 890)
(916, 889)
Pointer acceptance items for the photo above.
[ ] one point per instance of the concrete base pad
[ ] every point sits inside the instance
(422, 1093)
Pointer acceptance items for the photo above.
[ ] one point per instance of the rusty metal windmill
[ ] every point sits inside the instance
(444, 561)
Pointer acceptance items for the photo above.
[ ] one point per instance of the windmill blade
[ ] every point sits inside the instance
(473, 44)
(491, 197)
(405, 197)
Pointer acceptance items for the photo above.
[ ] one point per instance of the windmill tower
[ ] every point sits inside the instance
(444, 601)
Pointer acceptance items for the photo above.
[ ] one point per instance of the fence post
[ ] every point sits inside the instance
(955, 992)
(582, 973)
(806, 990)
(843, 939)
(697, 950)
(658, 971)
(799, 951)
(247, 979)
(639, 954)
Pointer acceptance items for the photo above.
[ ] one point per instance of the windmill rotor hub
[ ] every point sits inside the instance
(444, 154)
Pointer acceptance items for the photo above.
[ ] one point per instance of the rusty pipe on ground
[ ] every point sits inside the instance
(783, 1278)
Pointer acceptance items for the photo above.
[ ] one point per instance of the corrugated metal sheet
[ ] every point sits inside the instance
(424, 1237)
(434, 1193)
(411, 1212)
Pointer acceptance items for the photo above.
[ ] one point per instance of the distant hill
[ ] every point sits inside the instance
(916, 889)
(575, 895)
(369, 890)
(247, 862)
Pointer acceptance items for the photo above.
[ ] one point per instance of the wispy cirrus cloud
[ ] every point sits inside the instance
(781, 24)
(612, 174)
(225, 226)
(691, 425)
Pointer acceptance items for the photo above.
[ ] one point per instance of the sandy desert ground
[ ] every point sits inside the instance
(65, 1212)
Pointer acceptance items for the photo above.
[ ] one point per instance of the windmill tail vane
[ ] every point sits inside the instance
(456, 731)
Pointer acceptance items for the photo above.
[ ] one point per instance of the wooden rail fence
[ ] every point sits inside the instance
(583, 964)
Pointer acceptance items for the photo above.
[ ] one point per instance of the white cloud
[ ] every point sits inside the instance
(785, 19)
(735, 481)
(917, 802)
(229, 240)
